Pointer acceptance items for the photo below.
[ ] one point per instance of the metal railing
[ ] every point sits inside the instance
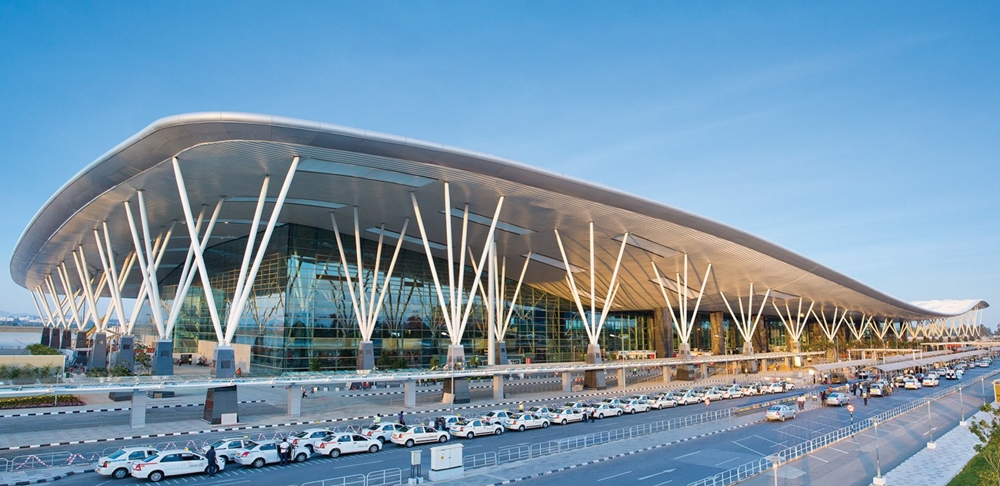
(385, 477)
(41, 461)
(796, 451)
(530, 451)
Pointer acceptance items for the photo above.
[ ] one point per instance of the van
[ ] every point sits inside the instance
(838, 378)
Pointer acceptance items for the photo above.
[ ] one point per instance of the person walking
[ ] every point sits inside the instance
(707, 402)
(213, 466)
(864, 396)
(378, 419)
(802, 402)
(520, 407)
(284, 451)
(401, 421)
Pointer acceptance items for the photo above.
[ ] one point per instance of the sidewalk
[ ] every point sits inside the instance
(937, 467)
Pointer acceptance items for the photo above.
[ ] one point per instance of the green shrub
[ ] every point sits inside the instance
(41, 349)
(40, 401)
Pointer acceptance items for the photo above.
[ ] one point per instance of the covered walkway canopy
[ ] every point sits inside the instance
(902, 365)
(842, 364)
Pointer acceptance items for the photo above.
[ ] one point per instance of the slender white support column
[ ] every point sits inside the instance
(73, 308)
(146, 258)
(795, 326)
(56, 303)
(746, 323)
(682, 320)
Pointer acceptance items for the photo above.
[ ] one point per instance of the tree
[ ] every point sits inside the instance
(988, 433)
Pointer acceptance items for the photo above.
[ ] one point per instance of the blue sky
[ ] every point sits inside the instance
(862, 135)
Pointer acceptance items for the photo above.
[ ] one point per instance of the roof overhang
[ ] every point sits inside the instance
(228, 154)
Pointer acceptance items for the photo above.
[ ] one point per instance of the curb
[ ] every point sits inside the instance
(49, 479)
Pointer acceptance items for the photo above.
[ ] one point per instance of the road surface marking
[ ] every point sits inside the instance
(615, 476)
(747, 448)
(727, 460)
(665, 482)
(657, 474)
(840, 451)
(685, 455)
(820, 458)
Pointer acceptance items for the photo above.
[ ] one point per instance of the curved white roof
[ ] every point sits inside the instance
(227, 154)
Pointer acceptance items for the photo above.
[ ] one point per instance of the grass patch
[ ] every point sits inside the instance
(969, 476)
(39, 402)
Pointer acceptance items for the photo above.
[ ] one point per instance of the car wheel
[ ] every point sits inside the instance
(258, 463)
(309, 448)
(409, 442)
(470, 435)
(225, 459)
(545, 424)
(793, 415)
(373, 448)
(563, 421)
(120, 473)
(301, 457)
(499, 431)
(631, 412)
(520, 429)
(601, 415)
(443, 439)
(334, 452)
(782, 418)
(619, 413)
(155, 476)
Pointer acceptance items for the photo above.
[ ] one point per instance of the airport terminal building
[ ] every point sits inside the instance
(314, 245)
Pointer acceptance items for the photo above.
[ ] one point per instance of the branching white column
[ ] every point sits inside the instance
(881, 328)
(830, 328)
(795, 323)
(683, 321)
(74, 307)
(858, 331)
(452, 307)
(146, 258)
(367, 298)
(746, 323)
(502, 311)
(188, 271)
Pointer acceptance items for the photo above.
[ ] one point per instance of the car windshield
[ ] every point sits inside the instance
(117, 454)
(776, 408)
(152, 458)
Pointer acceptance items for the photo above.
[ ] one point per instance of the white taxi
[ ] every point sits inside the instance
(418, 434)
(228, 449)
(522, 421)
(382, 431)
(474, 428)
(347, 443)
(497, 416)
(563, 416)
(664, 400)
(266, 452)
(173, 462)
(606, 410)
(307, 439)
(633, 406)
(119, 463)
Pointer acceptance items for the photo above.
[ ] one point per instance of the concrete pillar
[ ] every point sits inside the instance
(294, 401)
(55, 339)
(163, 358)
(666, 374)
(220, 402)
(498, 387)
(501, 353)
(663, 333)
(567, 382)
(46, 336)
(225, 362)
(718, 334)
(138, 411)
(410, 393)
(704, 371)
(594, 379)
(81, 340)
(126, 352)
(99, 352)
(67, 339)
(366, 356)
(621, 378)
(456, 390)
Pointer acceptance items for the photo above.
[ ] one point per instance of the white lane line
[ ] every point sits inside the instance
(357, 464)
(615, 476)
(747, 448)
(727, 460)
(814, 456)
(685, 455)
(767, 440)
(657, 474)
(840, 451)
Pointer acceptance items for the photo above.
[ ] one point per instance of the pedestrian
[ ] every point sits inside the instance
(822, 397)
(802, 402)
(864, 396)
(284, 451)
(401, 421)
(378, 419)
(304, 392)
(213, 466)
(520, 407)
(707, 402)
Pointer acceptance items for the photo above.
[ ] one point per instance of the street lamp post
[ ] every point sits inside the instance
(930, 428)
(878, 480)
(961, 402)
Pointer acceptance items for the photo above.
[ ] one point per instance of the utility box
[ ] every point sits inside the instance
(996, 389)
(446, 462)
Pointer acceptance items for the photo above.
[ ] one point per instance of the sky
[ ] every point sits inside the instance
(862, 135)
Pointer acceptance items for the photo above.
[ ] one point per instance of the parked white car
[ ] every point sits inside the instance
(712, 393)
(474, 428)
(580, 406)
(779, 412)
(228, 449)
(522, 421)
(911, 384)
(382, 432)
(644, 398)
(497, 416)
(733, 391)
(687, 396)
(664, 400)
(606, 410)
(307, 439)
(749, 389)
(266, 452)
(173, 462)
(564, 416)
(119, 463)
(541, 411)
(930, 379)
(633, 406)
(418, 434)
(347, 443)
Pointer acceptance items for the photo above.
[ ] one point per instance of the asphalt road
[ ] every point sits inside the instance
(676, 464)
